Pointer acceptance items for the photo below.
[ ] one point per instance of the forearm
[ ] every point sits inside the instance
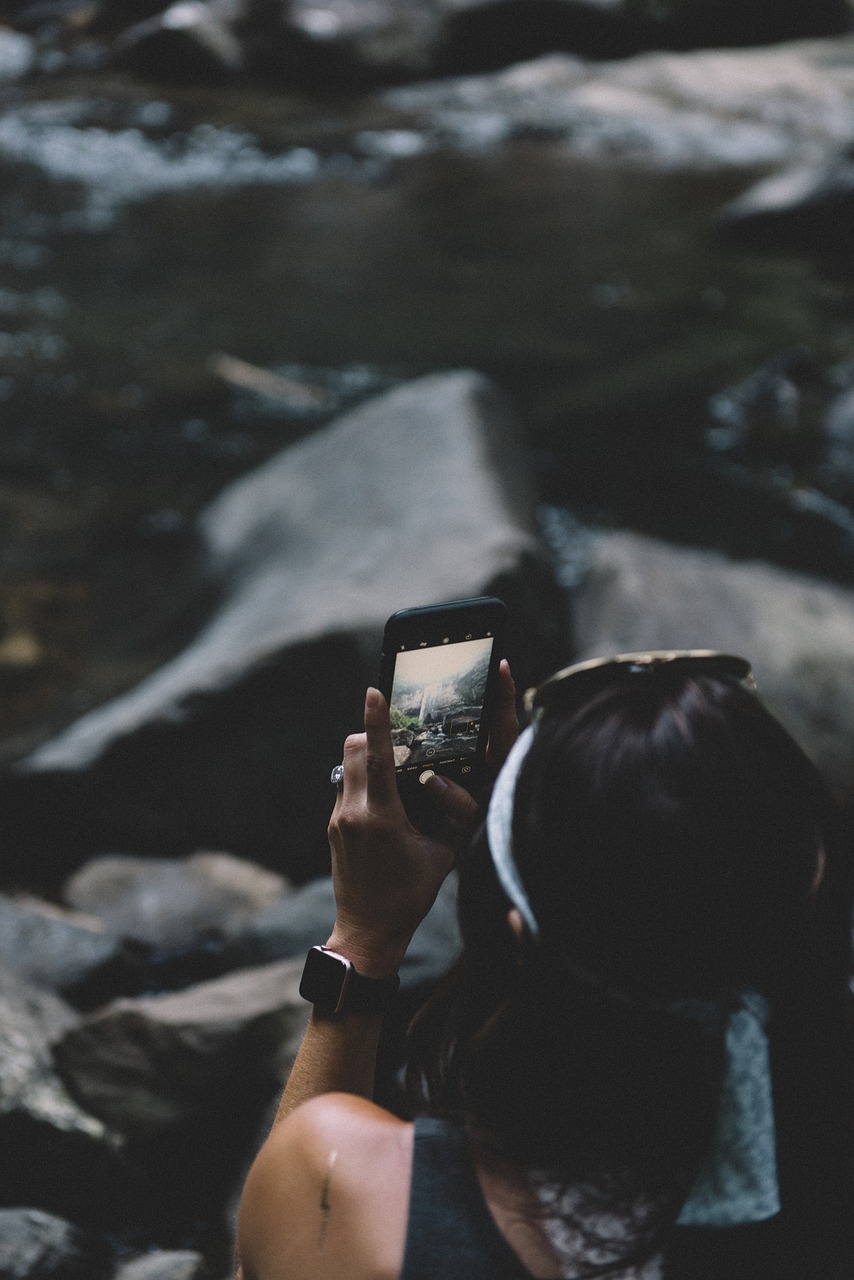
(338, 1053)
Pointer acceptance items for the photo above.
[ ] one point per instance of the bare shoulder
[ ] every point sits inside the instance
(328, 1194)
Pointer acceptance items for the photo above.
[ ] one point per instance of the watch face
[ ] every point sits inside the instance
(324, 979)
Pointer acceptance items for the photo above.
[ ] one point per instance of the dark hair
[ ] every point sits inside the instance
(666, 833)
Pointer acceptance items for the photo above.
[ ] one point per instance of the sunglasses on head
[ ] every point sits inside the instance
(582, 680)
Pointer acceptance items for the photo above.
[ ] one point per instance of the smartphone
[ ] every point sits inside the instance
(439, 673)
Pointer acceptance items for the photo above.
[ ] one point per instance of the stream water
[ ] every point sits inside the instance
(141, 237)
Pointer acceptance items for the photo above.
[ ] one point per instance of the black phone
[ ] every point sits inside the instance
(439, 673)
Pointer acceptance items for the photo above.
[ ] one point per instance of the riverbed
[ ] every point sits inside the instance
(328, 250)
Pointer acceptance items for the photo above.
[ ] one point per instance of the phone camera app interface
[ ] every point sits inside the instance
(436, 702)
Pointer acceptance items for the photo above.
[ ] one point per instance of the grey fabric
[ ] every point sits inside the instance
(738, 1183)
(451, 1234)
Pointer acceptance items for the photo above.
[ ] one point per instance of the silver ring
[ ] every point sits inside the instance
(337, 775)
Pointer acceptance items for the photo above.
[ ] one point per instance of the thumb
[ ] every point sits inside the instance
(456, 807)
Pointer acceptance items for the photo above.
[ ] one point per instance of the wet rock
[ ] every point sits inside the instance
(306, 916)
(171, 903)
(164, 1063)
(799, 634)
(839, 437)
(807, 208)
(321, 43)
(326, 537)
(774, 413)
(44, 1133)
(178, 1264)
(17, 55)
(378, 38)
(52, 947)
(684, 24)
(38, 1246)
(189, 40)
(481, 36)
(706, 109)
(421, 494)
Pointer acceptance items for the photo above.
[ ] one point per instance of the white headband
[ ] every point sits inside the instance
(499, 829)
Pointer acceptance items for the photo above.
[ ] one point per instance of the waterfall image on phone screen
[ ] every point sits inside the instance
(437, 700)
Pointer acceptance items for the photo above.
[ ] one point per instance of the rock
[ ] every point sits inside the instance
(305, 917)
(189, 40)
(17, 55)
(418, 495)
(376, 39)
(156, 1064)
(171, 903)
(481, 36)
(177, 1264)
(685, 24)
(839, 435)
(52, 947)
(774, 413)
(714, 108)
(38, 1246)
(799, 634)
(323, 43)
(43, 1132)
(807, 208)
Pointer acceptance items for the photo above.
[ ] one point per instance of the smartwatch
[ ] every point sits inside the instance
(332, 985)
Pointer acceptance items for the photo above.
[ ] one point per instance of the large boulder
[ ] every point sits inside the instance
(172, 903)
(187, 1078)
(35, 1245)
(419, 495)
(159, 1065)
(707, 109)
(640, 593)
(306, 916)
(53, 947)
(806, 208)
(481, 33)
(162, 1264)
(17, 55)
(317, 43)
(188, 40)
(44, 1132)
(376, 39)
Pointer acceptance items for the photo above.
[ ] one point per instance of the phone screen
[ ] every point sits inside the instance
(436, 703)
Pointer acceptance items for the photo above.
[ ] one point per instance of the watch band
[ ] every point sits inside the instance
(331, 983)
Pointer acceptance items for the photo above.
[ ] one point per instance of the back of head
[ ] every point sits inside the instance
(667, 833)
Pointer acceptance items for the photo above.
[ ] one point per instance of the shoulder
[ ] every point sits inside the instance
(328, 1194)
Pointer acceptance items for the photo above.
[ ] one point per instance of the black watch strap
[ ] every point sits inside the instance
(332, 985)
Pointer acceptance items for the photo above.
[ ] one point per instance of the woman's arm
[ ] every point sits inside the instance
(386, 875)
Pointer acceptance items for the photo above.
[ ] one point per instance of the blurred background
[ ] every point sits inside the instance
(223, 223)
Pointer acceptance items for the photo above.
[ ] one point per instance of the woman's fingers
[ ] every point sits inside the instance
(369, 760)
(457, 808)
(379, 754)
(505, 725)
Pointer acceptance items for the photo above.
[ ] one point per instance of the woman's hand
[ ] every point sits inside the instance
(505, 724)
(385, 872)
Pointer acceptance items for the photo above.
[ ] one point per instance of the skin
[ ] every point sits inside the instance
(308, 1208)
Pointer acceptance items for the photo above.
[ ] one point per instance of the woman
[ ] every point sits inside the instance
(642, 1064)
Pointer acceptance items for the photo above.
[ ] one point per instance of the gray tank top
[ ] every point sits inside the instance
(451, 1235)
